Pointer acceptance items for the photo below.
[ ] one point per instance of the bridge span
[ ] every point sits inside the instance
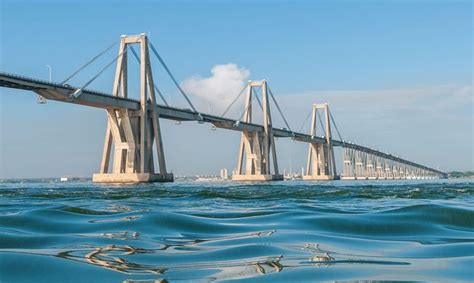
(133, 130)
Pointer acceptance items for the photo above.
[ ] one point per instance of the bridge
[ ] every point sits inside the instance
(133, 135)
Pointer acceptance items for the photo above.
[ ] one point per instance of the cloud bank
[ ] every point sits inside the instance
(217, 90)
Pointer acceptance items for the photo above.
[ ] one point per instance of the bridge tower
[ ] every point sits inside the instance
(257, 149)
(133, 132)
(321, 163)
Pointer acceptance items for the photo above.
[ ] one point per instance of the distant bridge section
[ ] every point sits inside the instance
(133, 129)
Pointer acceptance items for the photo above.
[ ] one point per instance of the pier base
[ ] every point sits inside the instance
(319, 177)
(348, 178)
(131, 178)
(259, 177)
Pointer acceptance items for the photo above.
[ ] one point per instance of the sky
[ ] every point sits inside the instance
(398, 76)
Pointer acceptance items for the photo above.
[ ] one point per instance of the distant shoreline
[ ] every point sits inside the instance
(461, 175)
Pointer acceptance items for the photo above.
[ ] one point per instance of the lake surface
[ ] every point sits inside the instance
(191, 231)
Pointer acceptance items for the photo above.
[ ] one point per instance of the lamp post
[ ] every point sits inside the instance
(49, 68)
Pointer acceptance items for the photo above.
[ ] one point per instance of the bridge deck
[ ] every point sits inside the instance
(59, 92)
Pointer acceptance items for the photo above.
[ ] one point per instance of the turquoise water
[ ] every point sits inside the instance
(204, 231)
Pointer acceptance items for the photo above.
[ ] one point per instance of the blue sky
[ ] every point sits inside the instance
(398, 75)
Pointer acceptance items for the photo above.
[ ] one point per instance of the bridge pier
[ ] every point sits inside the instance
(380, 168)
(371, 170)
(257, 149)
(132, 133)
(348, 171)
(360, 165)
(395, 171)
(321, 164)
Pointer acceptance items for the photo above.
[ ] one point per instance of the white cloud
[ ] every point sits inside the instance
(219, 89)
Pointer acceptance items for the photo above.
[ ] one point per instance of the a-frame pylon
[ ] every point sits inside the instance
(321, 163)
(132, 133)
(257, 149)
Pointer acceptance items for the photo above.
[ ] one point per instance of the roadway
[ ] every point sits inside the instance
(71, 94)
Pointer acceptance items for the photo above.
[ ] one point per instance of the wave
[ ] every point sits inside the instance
(273, 232)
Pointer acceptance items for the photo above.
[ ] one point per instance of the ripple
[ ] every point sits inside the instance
(79, 210)
(127, 218)
(283, 231)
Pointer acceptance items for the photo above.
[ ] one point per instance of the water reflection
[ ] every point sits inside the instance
(194, 257)
(130, 260)
(127, 218)
(123, 235)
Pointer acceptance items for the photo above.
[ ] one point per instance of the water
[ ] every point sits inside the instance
(198, 231)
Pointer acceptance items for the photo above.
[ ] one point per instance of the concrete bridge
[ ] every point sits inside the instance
(133, 135)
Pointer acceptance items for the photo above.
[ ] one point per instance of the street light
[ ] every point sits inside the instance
(49, 68)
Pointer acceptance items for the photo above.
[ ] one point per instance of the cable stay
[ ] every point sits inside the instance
(135, 54)
(335, 126)
(252, 92)
(305, 120)
(78, 92)
(157, 55)
(258, 100)
(235, 100)
(88, 63)
(320, 123)
(278, 107)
